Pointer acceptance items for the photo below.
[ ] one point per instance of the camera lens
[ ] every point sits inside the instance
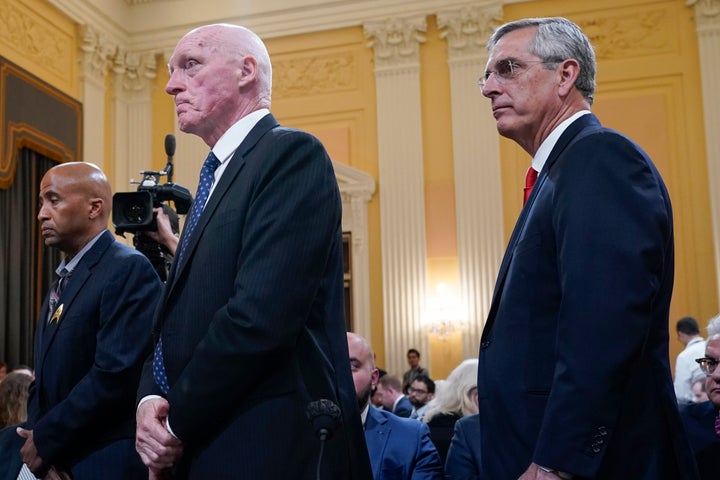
(135, 212)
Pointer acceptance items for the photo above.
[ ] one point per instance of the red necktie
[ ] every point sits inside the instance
(530, 178)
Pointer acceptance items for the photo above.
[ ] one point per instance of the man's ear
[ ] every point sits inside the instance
(248, 70)
(569, 70)
(95, 207)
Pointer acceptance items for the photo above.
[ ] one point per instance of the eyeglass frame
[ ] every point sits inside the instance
(707, 364)
(514, 66)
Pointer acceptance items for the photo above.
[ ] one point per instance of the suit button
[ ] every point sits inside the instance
(485, 344)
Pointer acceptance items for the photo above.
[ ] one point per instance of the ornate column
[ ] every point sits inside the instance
(133, 76)
(707, 19)
(396, 43)
(97, 56)
(477, 163)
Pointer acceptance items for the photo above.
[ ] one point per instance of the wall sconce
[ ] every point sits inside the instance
(444, 313)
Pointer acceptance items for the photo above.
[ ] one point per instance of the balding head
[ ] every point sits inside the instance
(362, 364)
(75, 205)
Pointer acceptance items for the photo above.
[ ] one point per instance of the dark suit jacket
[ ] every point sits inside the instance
(574, 370)
(252, 321)
(88, 364)
(463, 458)
(403, 407)
(400, 448)
(699, 421)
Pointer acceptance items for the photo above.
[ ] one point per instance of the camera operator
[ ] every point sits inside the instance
(167, 233)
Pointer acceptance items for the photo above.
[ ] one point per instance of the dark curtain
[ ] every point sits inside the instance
(27, 268)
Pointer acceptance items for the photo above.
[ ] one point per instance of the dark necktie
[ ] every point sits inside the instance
(207, 176)
(55, 293)
(530, 177)
(717, 425)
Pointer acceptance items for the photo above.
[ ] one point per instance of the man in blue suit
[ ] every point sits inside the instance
(389, 395)
(702, 420)
(92, 337)
(251, 328)
(399, 448)
(579, 316)
(463, 458)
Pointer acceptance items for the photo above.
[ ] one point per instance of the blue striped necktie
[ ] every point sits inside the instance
(207, 176)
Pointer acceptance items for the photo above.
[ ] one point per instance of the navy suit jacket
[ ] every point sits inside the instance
(400, 448)
(579, 322)
(88, 364)
(699, 421)
(252, 320)
(403, 407)
(463, 458)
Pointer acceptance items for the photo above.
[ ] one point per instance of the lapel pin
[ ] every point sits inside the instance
(56, 316)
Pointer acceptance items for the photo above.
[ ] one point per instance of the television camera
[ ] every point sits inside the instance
(132, 212)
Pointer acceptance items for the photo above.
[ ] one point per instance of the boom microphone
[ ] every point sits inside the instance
(169, 151)
(324, 416)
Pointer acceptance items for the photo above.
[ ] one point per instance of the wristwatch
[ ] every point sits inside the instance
(563, 475)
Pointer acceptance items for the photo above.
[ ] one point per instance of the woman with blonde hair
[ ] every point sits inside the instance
(454, 398)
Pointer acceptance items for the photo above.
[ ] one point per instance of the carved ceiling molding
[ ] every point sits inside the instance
(36, 39)
(397, 40)
(305, 76)
(468, 28)
(707, 13)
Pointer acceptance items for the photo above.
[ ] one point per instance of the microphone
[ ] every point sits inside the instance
(324, 416)
(169, 151)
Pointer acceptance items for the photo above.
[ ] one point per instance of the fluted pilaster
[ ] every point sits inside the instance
(707, 19)
(396, 43)
(476, 151)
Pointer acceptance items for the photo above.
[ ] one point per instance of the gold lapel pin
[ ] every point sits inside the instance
(56, 316)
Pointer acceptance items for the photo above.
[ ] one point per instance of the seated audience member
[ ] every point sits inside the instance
(688, 333)
(702, 421)
(13, 398)
(389, 394)
(698, 389)
(455, 399)
(463, 457)
(413, 359)
(399, 448)
(421, 391)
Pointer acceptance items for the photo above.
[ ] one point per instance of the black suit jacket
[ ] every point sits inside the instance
(699, 421)
(574, 370)
(252, 321)
(88, 364)
(463, 457)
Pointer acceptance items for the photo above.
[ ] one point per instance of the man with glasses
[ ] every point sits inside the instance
(702, 420)
(579, 317)
(420, 392)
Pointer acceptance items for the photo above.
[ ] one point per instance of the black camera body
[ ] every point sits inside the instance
(133, 211)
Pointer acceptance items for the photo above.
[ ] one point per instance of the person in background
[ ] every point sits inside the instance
(14, 391)
(579, 317)
(702, 420)
(250, 331)
(686, 368)
(456, 398)
(399, 448)
(413, 359)
(388, 393)
(698, 389)
(421, 391)
(92, 337)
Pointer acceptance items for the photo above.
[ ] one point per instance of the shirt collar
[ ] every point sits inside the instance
(70, 266)
(234, 136)
(364, 413)
(541, 156)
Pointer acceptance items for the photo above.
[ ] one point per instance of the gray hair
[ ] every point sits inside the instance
(713, 327)
(558, 39)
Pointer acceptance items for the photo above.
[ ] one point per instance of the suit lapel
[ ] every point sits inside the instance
(376, 437)
(80, 275)
(571, 133)
(235, 164)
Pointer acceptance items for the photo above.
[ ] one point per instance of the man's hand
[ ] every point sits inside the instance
(164, 234)
(29, 453)
(158, 448)
(55, 474)
(535, 473)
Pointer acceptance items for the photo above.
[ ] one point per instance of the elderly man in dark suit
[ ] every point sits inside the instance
(92, 337)
(400, 448)
(579, 316)
(702, 420)
(251, 328)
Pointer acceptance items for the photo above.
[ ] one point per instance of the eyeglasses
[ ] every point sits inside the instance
(417, 390)
(707, 365)
(508, 69)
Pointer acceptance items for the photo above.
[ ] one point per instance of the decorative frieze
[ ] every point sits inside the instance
(396, 41)
(304, 76)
